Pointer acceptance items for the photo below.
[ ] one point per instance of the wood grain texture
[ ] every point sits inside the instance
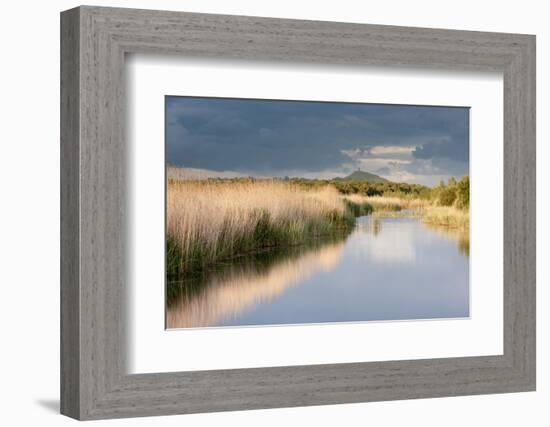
(70, 220)
(94, 201)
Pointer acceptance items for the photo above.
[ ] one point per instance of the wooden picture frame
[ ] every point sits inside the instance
(94, 41)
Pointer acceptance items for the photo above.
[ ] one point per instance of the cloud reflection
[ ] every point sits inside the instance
(394, 245)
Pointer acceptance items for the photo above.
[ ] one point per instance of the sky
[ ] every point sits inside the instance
(415, 144)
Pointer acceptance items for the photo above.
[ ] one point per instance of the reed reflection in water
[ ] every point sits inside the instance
(223, 294)
(460, 236)
(386, 269)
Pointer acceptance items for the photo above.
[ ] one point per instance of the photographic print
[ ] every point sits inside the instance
(283, 212)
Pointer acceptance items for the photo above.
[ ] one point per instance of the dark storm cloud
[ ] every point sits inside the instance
(274, 137)
(442, 149)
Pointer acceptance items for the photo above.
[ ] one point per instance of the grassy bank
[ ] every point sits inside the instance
(447, 216)
(210, 221)
(390, 203)
(430, 212)
(446, 204)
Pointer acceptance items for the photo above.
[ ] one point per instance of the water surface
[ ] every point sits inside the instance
(386, 269)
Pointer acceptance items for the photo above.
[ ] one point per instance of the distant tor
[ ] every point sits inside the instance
(360, 175)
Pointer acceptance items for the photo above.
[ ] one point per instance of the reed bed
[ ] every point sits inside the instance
(447, 216)
(213, 220)
(388, 203)
(208, 221)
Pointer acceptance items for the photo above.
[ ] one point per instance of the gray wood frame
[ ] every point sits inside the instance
(94, 41)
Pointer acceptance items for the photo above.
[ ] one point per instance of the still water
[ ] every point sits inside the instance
(386, 269)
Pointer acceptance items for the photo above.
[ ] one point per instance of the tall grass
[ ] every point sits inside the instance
(447, 216)
(208, 221)
(388, 204)
(213, 220)
(358, 205)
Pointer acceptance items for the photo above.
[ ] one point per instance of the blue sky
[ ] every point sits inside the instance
(417, 144)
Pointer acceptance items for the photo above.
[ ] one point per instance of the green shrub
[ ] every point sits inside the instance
(463, 193)
(447, 196)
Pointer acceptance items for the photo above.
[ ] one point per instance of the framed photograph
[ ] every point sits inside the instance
(261, 213)
(272, 217)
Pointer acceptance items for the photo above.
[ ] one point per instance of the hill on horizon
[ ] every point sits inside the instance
(183, 173)
(362, 176)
